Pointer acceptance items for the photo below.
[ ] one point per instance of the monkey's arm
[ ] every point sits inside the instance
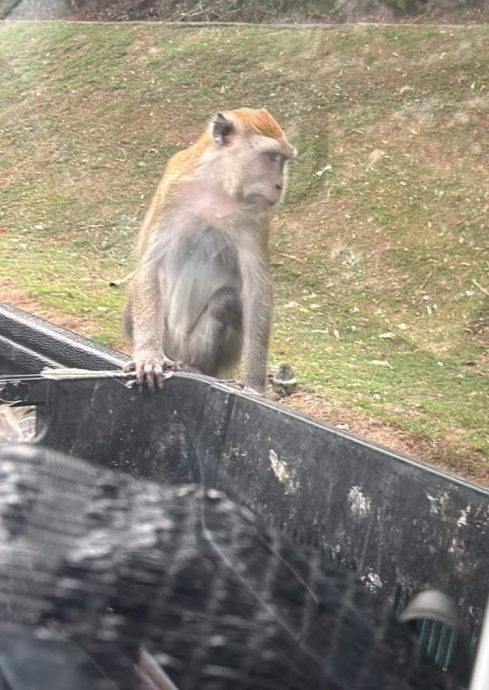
(148, 322)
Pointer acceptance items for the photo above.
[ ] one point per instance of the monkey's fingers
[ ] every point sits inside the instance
(144, 370)
(154, 372)
(153, 375)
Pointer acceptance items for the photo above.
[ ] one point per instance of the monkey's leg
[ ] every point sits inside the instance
(216, 340)
(143, 321)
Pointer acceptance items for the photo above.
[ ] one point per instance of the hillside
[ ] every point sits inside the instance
(381, 252)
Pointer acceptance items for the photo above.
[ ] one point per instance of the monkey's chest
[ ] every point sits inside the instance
(201, 265)
(206, 259)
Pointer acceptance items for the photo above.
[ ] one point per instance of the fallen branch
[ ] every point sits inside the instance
(295, 258)
(486, 292)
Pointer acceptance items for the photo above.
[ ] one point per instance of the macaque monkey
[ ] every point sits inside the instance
(201, 293)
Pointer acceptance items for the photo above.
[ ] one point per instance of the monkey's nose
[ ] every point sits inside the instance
(279, 187)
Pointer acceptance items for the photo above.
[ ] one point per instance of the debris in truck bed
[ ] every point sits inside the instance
(216, 598)
(17, 424)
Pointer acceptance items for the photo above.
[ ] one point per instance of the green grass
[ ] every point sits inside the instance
(385, 229)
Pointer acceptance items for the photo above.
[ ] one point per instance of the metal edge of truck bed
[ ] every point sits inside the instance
(32, 343)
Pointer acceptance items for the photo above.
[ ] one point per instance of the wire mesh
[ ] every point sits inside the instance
(218, 599)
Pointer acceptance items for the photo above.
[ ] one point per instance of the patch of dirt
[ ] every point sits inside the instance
(464, 461)
(18, 298)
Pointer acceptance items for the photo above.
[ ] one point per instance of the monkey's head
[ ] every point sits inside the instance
(249, 154)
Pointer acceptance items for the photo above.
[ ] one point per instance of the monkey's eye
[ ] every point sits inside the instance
(275, 157)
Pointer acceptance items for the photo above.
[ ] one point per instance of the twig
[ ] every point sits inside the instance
(295, 258)
(486, 292)
(121, 281)
(423, 284)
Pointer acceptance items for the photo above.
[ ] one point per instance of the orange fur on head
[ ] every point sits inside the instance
(262, 123)
(259, 122)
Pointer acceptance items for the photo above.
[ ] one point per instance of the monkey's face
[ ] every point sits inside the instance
(250, 161)
(264, 177)
(255, 171)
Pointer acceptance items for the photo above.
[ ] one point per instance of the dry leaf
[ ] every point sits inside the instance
(380, 363)
(374, 157)
(320, 173)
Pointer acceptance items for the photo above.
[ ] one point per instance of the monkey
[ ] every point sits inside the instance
(201, 294)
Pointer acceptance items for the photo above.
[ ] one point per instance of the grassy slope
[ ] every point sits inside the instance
(386, 225)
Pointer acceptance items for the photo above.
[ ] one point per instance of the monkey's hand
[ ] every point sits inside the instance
(151, 369)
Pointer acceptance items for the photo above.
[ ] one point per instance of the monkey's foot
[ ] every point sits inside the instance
(152, 370)
(283, 382)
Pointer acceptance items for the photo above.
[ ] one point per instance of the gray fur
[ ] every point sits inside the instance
(203, 315)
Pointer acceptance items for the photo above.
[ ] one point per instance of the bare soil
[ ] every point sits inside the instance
(18, 298)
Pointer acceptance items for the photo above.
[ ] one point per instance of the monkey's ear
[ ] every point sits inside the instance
(222, 129)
